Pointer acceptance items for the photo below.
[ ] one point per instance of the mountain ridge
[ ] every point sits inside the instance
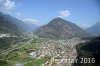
(8, 27)
(12, 25)
(60, 28)
(94, 29)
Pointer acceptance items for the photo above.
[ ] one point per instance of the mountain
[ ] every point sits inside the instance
(95, 29)
(60, 28)
(90, 49)
(9, 24)
(6, 26)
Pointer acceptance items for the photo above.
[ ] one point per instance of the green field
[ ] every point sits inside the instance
(37, 62)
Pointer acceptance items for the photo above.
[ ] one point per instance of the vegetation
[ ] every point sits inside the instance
(16, 55)
(88, 50)
(37, 62)
(6, 42)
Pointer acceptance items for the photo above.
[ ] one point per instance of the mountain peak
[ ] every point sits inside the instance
(58, 19)
(60, 28)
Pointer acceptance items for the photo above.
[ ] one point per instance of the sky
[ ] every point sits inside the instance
(84, 13)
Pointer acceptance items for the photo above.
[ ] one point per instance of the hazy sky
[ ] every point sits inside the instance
(81, 12)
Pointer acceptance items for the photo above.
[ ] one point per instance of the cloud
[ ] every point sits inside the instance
(30, 21)
(27, 20)
(7, 4)
(64, 13)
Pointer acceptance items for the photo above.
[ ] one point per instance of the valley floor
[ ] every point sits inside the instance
(42, 52)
